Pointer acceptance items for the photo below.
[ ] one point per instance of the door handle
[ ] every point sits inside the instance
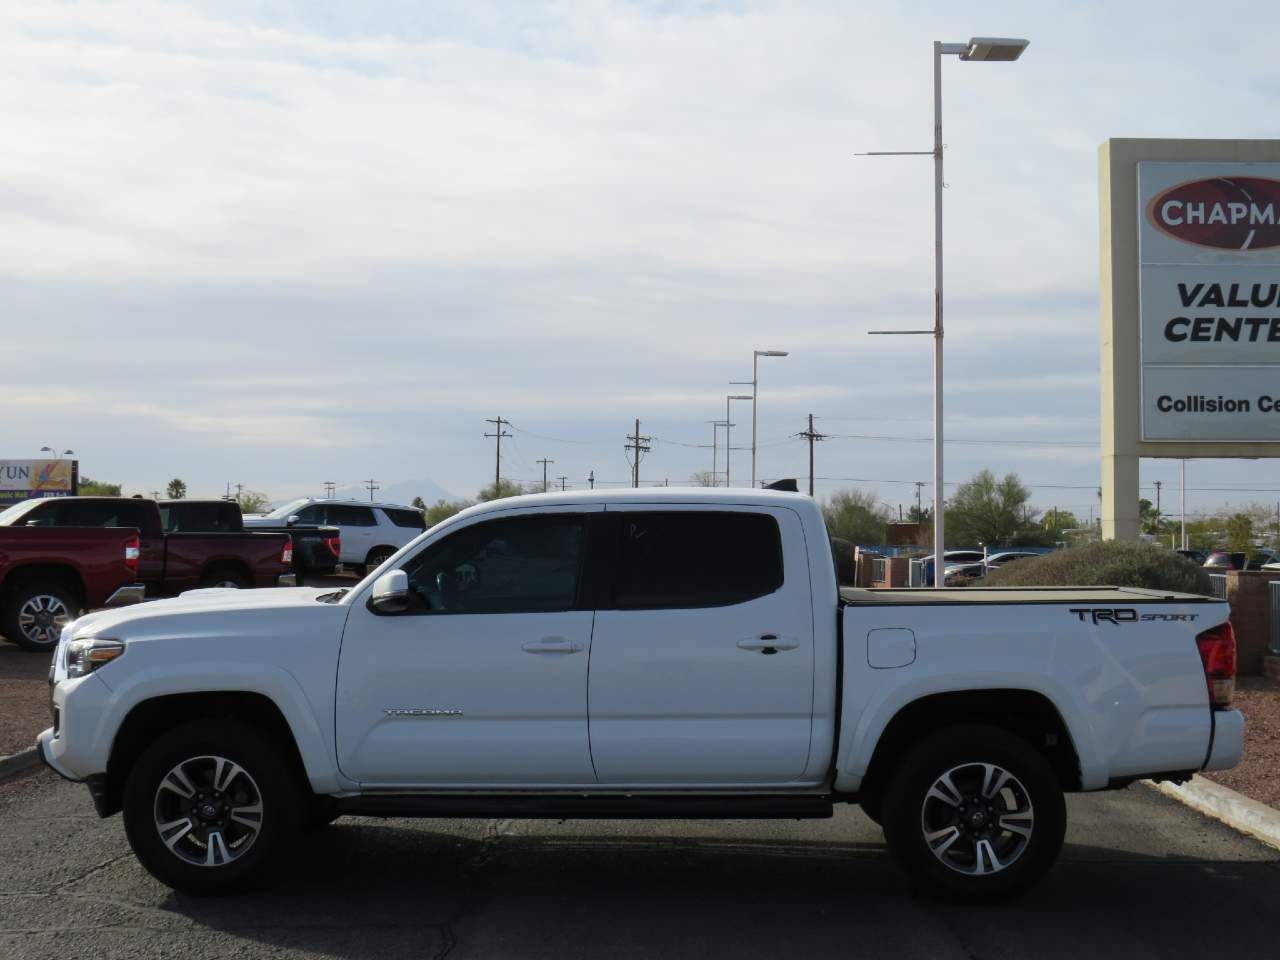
(768, 643)
(551, 645)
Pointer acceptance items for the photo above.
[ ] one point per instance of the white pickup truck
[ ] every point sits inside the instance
(645, 653)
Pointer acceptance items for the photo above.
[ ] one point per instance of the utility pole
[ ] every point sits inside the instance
(591, 479)
(637, 445)
(813, 437)
(228, 496)
(544, 463)
(728, 447)
(329, 489)
(562, 480)
(715, 451)
(1184, 504)
(1157, 511)
(919, 502)
(372, 485)
(239, 488)
(497, 434)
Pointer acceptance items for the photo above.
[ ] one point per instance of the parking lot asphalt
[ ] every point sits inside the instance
(1141, 876)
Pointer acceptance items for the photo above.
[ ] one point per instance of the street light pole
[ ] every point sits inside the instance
(755, 391)
(728, 447)
(978, 48)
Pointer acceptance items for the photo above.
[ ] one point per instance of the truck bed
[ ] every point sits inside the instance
(911, 596)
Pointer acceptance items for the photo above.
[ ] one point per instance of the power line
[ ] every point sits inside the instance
(639, 446)
(497, 434)
(813, 437)
(544, 463)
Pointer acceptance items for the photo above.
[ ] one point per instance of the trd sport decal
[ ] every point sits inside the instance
(1118, 615)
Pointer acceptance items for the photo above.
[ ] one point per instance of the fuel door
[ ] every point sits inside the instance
(890, 647)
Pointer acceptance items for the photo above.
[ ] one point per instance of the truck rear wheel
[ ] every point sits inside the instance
(228, 577)
(36, 611)
(974, 814)
(211, 806)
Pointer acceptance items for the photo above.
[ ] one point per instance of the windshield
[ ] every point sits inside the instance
(288, 509)
(15, 513)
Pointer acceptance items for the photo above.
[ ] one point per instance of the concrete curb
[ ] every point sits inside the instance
(1222, 803)
(15, 765)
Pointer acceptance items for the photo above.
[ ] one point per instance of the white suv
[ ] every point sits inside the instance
(371, 532)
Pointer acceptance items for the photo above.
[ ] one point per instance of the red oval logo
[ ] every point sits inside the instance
(1228, 213)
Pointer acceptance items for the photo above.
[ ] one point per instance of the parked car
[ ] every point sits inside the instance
(48, 576)
(1237, 560)
(169, 563)
(1008, 556)
(729, 677)
(315, 549)
(1197, 557)
(950, 557)
(371, 532)
(963, 574)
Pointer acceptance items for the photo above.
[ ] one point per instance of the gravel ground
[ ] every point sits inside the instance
(24, 697)
(1258, 775)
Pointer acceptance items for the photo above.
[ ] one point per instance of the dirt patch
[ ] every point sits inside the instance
(24, 697)
(1258, 774)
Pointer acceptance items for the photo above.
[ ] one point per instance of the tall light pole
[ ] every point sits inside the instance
(755, 395)
(1183, 490)
(978, 48)
(715, 452)
(728, 447)
(54, 452)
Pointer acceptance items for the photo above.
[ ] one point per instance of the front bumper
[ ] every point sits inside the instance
(129, 594)
(44, 743)
(1228, 740)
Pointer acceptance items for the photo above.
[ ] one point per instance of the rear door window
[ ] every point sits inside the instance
(406, 518)
(695, 559)
(348, 516)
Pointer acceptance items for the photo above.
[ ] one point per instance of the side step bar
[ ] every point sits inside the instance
(580, 807)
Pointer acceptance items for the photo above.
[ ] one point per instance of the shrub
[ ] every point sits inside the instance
(1107, 563)
(842, 552)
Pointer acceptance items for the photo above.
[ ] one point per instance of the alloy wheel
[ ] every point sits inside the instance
(208, 811)
(42, 617)
(977, 819)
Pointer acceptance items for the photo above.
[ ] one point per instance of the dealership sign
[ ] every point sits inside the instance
(1209, 288)
(28, 479)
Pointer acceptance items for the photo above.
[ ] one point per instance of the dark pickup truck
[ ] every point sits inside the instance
(169, 563)
(48, 576)
(315, 549)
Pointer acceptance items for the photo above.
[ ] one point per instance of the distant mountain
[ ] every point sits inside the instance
(401, 492)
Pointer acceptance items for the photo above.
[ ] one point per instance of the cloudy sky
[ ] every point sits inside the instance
(284, 243)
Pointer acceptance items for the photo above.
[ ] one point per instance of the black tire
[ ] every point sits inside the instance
(377, 557)
(872, 805)
(321, 811)
(246, 854)
(35, 612)
(1022, 823)
(232, 577)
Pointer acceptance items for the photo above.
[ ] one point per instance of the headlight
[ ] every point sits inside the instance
(86, 656)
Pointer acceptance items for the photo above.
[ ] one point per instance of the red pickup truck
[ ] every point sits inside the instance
(169, 563)
(48, 576)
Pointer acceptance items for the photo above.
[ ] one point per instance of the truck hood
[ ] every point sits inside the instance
(207, 601)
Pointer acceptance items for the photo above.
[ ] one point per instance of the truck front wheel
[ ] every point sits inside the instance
(35, 613)
(211, 805)
(974, 813)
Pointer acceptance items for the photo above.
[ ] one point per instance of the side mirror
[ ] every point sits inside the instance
(390, 593)
(291, 521)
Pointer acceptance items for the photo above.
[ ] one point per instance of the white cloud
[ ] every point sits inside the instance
(336, 236)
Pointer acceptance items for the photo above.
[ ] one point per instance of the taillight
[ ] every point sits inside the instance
(1218, 654)
(131, 551)
(334, 544)
(286, 555)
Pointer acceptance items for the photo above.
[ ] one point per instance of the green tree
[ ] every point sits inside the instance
(177, 489)
(251, 501)
(95, 488)
(993, 513)
(1056, 521)
(1239, 529)
(856, 516)
(419, 503)
(500, 490)
(442, 510)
